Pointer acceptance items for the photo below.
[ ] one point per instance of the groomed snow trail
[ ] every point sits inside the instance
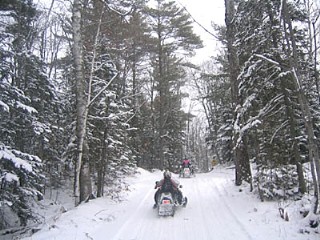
(216, 210)
(208, 215)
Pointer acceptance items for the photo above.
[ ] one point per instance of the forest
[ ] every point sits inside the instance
(92, 89)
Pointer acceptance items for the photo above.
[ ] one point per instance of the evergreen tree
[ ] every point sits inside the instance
(26, 106)
(271, 107)
(108, 109)
(173, 31)
(267, 95)
(240, 154)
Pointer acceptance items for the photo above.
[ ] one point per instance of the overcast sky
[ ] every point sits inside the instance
(205, 12)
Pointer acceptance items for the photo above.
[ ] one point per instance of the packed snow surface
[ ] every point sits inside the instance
(216, 210)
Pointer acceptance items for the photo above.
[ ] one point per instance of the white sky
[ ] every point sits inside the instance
(205, 12)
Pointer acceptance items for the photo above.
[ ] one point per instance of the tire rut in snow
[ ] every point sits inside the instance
(135, 219)
(210, 215)
(229, 209)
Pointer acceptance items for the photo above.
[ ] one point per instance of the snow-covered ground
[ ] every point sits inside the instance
(216, 210)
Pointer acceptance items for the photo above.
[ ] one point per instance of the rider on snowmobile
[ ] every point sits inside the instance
(168, 184)
(186, 163)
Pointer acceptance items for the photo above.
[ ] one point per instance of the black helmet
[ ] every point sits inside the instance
(166, 174)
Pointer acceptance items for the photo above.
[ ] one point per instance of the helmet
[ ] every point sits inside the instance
(167, 174)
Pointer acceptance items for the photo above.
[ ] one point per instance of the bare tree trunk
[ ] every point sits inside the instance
(85, 177)
(232, 51)
(80, 94)
(102, 164)
(152, 161)
(84, 101)
(242, 164)
(295, 148)
(233, 70)
(162, 102)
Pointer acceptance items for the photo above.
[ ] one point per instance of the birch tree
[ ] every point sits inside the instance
(104, 113)
(81, 170)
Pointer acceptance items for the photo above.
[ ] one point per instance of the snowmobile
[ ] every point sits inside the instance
(167, 204)
(186, 172)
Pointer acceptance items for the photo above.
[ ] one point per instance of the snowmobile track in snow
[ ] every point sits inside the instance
(207, 215)
(216, 210)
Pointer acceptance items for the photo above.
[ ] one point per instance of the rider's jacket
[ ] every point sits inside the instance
(175, 183)
(186, 163)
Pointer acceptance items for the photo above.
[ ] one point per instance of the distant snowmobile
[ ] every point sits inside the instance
(187, 173)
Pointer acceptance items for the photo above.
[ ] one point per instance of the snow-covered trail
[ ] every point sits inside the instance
(216, 210)
(210, 212)
(207, 215)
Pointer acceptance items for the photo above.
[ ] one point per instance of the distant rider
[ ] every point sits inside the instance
(167, 184)
(186, 163)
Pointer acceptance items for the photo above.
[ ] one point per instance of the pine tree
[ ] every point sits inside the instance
(272, 103)
(173, 31)
(25, 99)
(241, 159)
